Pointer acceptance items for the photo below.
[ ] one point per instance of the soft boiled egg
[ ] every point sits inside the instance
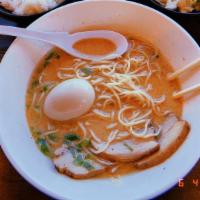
(70, 99)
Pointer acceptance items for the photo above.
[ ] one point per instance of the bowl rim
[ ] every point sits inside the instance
(29, 177)
(197, 13)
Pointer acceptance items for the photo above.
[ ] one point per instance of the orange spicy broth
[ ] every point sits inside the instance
(56, 60)
(95, 46)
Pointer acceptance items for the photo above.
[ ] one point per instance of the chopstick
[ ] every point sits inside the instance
(180, 71)
(193, 88)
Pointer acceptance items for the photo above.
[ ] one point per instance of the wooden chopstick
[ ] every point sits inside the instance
(193, 88)
(180, 71)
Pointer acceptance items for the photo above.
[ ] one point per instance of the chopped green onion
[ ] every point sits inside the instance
(89, 156)
(76, 151)
(35, 132)
(35, 83)
(43, 146)
(84, 143)
(46, 63)
(87, 165)
(45, 88)
(79, 160)
(86, 71)
(49, 57)
(71, 136)
(73, 151)
(52, 136)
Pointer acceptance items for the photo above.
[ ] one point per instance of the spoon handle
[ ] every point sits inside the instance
(30, 34)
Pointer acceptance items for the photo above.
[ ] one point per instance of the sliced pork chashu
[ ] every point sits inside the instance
(172, 136)
(75, 164)
(130, 150)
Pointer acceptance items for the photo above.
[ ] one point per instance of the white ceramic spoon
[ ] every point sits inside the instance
(65, 41)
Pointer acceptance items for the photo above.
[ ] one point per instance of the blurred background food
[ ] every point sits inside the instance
(183, 6)
(29, 7)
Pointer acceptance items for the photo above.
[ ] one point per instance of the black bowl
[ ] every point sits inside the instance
(10, 15)
(174, 12)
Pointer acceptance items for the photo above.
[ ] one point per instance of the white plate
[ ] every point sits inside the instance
(15, 71)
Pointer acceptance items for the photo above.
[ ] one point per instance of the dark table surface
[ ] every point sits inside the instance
(14, 187)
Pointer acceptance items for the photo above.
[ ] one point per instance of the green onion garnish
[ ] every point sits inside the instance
(43, 146)
(52, 136)
(35, 83)
(49, 57)
(71, 137)
(86, 71)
